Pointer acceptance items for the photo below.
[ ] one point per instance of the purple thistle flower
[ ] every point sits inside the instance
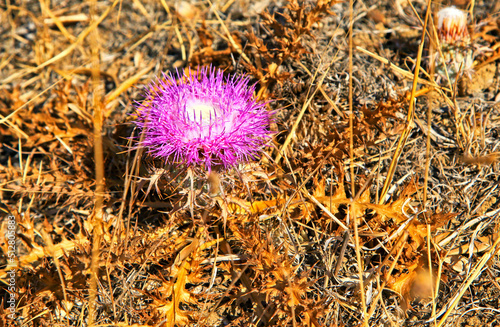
(203, 119)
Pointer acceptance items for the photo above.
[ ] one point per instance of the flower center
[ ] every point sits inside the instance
(197, 110)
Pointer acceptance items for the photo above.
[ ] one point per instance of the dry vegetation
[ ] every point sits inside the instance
(108, 236)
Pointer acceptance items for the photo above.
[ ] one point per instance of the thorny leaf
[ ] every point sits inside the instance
(416, 283)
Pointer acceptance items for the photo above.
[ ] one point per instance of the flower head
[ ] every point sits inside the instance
(457, 55)
(203, 119)
(452, 25)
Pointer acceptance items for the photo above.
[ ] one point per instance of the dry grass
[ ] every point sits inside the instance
(377, 203)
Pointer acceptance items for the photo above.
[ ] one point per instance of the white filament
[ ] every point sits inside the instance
(199, 111)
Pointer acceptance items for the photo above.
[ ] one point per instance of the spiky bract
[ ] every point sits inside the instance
(452, 25)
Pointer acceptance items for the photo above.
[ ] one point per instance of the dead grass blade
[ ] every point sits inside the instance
(411, 111)
(56, 21)
(353, 208)
(67, 51)
(125, 85)
(476, 271)
(97, 216)
(401, 71)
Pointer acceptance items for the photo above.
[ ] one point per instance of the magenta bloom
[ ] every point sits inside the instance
(203, 119)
